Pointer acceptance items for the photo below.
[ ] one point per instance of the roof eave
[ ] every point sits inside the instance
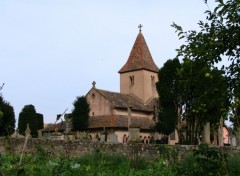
(138, 70)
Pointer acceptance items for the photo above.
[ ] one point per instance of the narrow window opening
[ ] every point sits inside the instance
(131, 78)
(153, 85)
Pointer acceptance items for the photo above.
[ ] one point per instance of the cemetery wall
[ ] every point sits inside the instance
(79, 148)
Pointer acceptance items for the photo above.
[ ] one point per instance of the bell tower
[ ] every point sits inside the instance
(139, 74)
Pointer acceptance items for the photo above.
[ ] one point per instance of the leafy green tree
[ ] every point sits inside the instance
(169, 101)
(207, 98)
(7, 117)
(191, 94)
(218, 40)
(28, 115)
(80, 114)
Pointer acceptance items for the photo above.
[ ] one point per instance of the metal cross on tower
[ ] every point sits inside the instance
(140, 27)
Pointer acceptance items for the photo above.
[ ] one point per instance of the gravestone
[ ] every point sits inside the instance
(16, 135)
(134, 134)
(28, 132)
(68, 123)
(102, 138)
(78, 135)
(113, 138)
(96, 137)
(40, 136)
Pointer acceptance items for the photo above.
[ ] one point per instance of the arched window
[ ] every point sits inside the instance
(131, 83)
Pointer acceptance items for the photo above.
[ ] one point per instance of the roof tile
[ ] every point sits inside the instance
(121, 121)
(140, 57)
(121, 100)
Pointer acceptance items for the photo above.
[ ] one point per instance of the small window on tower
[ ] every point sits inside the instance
(131, 80)
(153, 84)
(131, 83)
(93, 95)
(153, 79)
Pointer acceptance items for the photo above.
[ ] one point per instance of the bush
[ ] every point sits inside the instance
(168, 153)
(204, 161)
(233, 164)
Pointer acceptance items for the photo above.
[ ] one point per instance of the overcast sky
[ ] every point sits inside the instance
(52, 50)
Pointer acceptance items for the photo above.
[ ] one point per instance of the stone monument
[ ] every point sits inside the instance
(28, 132)
(40, 136)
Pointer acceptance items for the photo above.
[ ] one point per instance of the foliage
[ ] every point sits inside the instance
(168, 153)
(80, 114)
(233, 164)
(191, 94)
(96, 163)
(204, 161)
(217, 40)
(7, 117)
(167, 88)
(196, 92)
(40, 121)
(28, 115)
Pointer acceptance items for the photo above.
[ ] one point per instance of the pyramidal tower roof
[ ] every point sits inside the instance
(140, 57)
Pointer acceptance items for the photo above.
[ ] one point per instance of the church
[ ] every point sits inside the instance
(135, 106)
(131, 114)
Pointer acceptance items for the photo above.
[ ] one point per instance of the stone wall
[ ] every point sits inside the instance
(79, 148)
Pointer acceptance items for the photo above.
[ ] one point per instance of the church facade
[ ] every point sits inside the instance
(134, 107)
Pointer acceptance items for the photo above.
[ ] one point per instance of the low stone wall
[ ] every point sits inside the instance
(79, 148)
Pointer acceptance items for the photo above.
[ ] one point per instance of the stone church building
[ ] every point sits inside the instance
(132, 113)
(134, 107)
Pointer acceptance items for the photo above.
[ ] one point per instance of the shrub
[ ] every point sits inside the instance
(204, 161)
(233, 164)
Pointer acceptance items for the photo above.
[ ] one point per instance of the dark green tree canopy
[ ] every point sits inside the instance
(80, 114)
(28, 115)
(40, 121)
(191, 94)
(167, 88)
(7, 117)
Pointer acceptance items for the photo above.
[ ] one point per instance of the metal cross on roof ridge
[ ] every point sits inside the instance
(140, 26)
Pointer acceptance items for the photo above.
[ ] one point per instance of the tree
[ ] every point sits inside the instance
(191, 94)
(28, 115)
(40, 122)
(80, 114)
(218, 40)
(7, 117)
(169, 97)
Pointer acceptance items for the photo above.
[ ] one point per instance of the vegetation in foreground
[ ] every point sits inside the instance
(204, 161)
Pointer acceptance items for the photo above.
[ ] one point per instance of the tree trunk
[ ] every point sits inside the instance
(206, 133)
